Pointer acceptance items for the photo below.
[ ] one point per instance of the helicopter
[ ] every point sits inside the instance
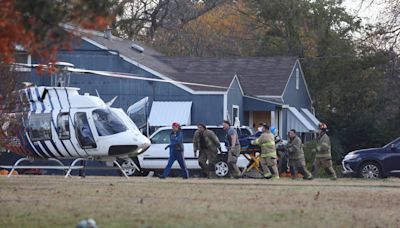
(56, 122)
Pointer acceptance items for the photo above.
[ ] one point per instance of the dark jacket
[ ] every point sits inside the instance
(211, 140)
(176, 141)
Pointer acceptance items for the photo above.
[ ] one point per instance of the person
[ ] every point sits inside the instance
(323, 156)
(259, 130)
(207, 144)
(283, 156)
(82, 172)
(296, 156)
(176, 152)
(268, 152)
(233, 146)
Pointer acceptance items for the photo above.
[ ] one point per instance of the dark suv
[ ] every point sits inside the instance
(375, 162)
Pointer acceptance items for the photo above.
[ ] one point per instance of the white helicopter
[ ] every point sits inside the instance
(56, 122)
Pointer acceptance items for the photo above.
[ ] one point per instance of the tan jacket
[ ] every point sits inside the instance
(324, 147)
(295, 149)
(267, 143)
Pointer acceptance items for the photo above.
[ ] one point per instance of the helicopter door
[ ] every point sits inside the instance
(83, 132)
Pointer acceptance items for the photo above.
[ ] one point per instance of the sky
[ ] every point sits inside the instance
(369, 12)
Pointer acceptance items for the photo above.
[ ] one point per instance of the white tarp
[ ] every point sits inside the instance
(165, 113)
(295, 120)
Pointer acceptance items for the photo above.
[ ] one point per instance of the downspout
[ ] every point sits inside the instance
(225, 114)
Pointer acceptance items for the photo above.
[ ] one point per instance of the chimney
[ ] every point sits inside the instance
(107, 33)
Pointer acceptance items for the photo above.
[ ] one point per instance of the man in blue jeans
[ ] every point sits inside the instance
(176, 152)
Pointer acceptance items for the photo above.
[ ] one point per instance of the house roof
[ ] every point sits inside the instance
(257, 75)
(146, 58)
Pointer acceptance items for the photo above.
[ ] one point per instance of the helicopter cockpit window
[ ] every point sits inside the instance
(40, 126)
(83, 132)
(63, 126)
(107, 122)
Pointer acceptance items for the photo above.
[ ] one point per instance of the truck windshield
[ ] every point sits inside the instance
(107, 122)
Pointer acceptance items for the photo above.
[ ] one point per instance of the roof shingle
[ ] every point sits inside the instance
(258, 75)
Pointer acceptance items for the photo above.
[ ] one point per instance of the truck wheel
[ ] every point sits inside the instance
(129, 166)
(221, 168)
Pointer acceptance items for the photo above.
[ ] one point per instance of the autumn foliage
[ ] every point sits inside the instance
(37, 26)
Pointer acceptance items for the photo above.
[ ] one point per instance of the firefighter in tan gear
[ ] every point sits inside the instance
(323, 157)
(268, 152)
(207, 144)
(296, 156)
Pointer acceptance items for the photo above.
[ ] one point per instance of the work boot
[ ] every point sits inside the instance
(308, 178)
(275, 177)
(267, 175)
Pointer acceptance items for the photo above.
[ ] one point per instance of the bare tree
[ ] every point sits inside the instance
(144, 17)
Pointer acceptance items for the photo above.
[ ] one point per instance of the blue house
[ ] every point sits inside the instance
(251, 89)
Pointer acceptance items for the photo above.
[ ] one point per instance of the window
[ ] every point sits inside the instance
(188, 135)
(235, 115)
(244, 132)
(161, 137)
(63, 126)
(397, 145)
(25, 58)
(83, 132)
(40, 127)
(297, 78)
(107, 122)
(221, 134)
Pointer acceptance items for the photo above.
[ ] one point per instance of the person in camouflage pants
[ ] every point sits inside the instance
(323, 157)
(207, 144)
(296, 156)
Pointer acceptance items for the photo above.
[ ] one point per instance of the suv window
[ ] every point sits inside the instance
(188, 135)
(244, 132)
(221, 134)
(161, 137)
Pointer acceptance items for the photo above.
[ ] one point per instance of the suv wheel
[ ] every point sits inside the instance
(128, 165)
(370, 170)
(221, 168)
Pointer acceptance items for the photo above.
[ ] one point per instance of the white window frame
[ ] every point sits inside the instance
(297, 78)
(21, 68)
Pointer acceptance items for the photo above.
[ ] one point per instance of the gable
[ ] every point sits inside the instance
(296, 92)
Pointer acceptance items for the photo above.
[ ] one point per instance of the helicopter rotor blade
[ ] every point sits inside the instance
(139, 77)
(26, 65)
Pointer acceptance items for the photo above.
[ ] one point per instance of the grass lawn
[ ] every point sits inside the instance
(52, 201)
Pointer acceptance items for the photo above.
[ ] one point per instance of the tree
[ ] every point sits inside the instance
(37, 26)
(143, 18)
(223, 31)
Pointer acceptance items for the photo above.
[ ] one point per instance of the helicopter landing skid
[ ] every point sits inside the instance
(71, 167)
(122, 170)
(85, 159)
(16, 164)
